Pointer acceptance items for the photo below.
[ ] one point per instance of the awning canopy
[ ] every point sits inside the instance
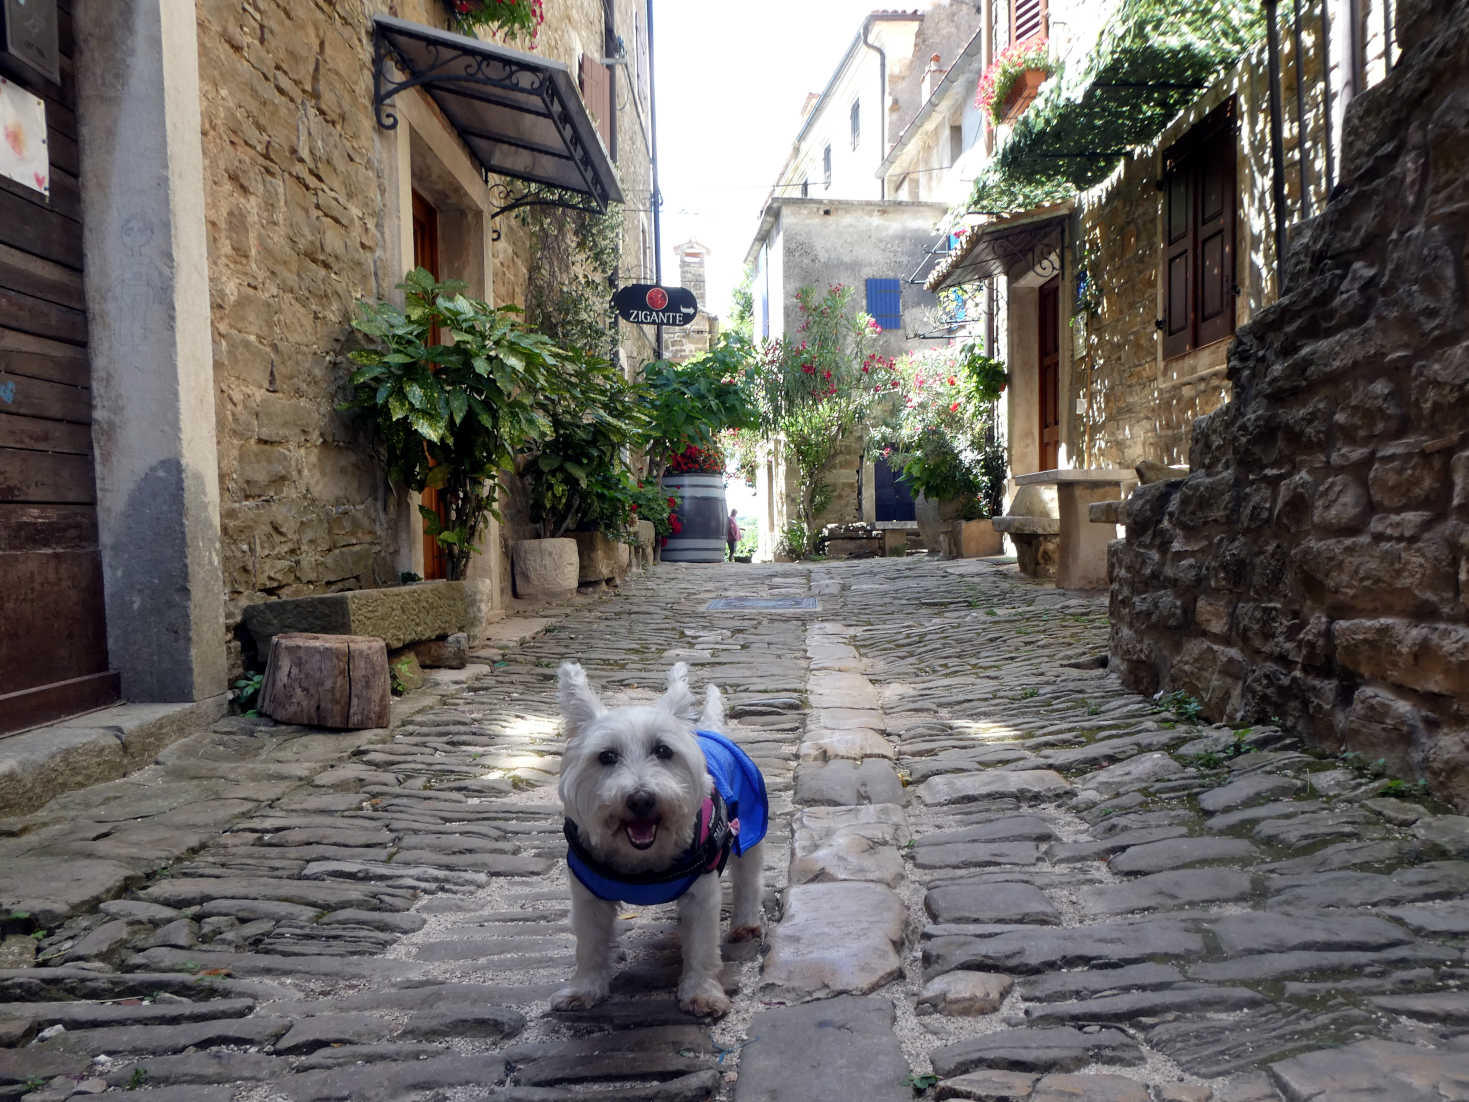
(519, 115)
(994, 248)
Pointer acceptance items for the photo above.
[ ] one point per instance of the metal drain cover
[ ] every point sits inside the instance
(761, 604)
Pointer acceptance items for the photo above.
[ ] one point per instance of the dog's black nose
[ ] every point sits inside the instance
(642, 803)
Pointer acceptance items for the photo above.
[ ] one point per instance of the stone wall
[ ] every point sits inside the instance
(1137, 404)
(303, 204)
(1314, 566)
(293, 206)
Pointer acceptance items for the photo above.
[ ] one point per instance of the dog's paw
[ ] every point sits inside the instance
(708, 1000)
(746, 933)
(576, 996)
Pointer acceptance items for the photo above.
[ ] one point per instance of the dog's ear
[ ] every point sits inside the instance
(579, 704)
(679, 699)
(713, 717)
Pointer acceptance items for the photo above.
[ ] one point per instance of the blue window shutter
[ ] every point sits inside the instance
(885, 302)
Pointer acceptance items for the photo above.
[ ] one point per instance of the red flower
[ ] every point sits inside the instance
(953, 407)
(672, 502)
(952, 380)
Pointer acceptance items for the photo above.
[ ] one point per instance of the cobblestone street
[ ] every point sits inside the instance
(992, 873)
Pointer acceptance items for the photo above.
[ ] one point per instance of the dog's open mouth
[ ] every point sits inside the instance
(641, 833)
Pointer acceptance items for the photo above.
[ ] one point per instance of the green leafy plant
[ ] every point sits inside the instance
(576, 255)
(245, 693)
(939, 427)
(812, 391)
(1403, 789)
(408, 577)
(455, 415)
(514, 19)
(397, 671)
(1185, 706)
(138, 1079)
(922, 1083)
(794, 542)
(1030, 692)
(694, 402)
(580, 478)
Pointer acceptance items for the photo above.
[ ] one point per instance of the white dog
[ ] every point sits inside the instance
(652, 811)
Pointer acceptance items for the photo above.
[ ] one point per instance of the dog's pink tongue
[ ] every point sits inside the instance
(641, 832)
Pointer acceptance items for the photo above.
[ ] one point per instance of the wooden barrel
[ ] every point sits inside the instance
(702, 510)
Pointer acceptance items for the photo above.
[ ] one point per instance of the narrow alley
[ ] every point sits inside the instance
(993, 873)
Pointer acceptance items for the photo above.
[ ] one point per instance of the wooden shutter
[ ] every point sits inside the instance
(1028, 19)
(1215, 234)
(596, 92)
(885, 302)
(1178, 255)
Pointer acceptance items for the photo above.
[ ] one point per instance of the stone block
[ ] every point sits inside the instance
(964, 994)
(835, 939)
(1212, 615)
(839, 1048)
(1341, 504)
(398, 615)
(1407, 481)
(600, 559)
(1380, 724)
(1432, 658)
(545, 569)
(1369, 410)
(1360, 575)
(449, 653)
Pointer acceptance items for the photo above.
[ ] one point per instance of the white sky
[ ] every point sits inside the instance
(731, 80)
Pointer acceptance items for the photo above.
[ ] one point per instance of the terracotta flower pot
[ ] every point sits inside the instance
(1022, 93)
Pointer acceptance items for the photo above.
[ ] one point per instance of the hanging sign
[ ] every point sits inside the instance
(24, 157)
(649, 304)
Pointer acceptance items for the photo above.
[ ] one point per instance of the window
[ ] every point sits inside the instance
(1028, 19)
(885, 302)
(826, 165)
(1198, 235)
(956, 143)
(856, 122)
(805, 188)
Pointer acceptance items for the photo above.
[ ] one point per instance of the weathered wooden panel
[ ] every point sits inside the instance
(33, 228)
(49, 602)
(45, 319)
(40, 434)
(47, 527)
(65, 197)
(31, 707)
(26, 396)
(40, 358)
(46, 477)
(42, 278)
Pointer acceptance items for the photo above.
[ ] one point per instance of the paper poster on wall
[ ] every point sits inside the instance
(24, 157)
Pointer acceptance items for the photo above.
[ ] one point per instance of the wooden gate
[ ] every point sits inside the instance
(53, 637)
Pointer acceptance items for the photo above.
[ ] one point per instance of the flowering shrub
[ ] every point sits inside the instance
(997, 81)
(940, 430)
(694, 460)
(813, 389)
(512, 19)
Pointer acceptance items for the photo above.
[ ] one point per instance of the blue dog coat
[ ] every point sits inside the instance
(734, 818)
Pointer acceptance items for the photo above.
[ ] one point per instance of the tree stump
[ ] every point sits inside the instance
(327, 680)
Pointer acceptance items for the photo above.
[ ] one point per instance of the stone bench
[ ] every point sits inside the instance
(1081, 558)
(398, 615)
(1034, 527)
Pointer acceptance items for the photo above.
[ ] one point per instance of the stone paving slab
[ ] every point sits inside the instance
(836, 1050)
(1087, 895)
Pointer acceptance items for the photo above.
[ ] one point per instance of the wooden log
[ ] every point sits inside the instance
(327, 680)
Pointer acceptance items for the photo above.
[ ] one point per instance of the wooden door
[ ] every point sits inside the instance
(1049, 345)
(53, 636)
(426, 255)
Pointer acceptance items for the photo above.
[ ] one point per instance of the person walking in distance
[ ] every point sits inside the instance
(732, 533)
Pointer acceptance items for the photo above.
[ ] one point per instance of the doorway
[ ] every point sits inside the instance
(426, 255)
(1048, 345)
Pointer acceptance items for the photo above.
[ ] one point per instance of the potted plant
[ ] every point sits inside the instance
(579, 482)
(452, 415)
(940, 434)
(1013, 79)
(511, 19)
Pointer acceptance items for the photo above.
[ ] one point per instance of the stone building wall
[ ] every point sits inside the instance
(1314, 566)
(302, 202)
(1137, 404)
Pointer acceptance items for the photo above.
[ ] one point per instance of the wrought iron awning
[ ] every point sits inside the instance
(995, 248)
(519, 115)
